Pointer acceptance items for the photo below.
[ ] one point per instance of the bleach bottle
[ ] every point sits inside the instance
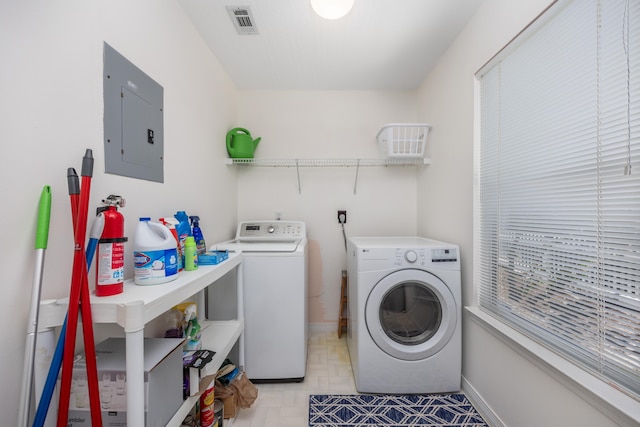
(155, 256)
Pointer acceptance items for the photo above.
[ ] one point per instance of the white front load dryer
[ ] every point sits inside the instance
(404, 309)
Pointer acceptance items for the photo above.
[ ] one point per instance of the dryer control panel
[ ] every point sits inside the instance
(444, 255)
(379, 253)
(271, 231)
(410, 256)
(425, 256)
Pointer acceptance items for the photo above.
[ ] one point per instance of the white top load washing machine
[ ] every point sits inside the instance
(275, 276)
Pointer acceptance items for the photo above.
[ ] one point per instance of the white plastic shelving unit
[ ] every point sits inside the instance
(138, 305)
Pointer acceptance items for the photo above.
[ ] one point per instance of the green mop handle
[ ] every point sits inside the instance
(42, 235)
(44, 213)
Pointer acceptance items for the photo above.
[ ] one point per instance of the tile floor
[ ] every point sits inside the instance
(287, 404)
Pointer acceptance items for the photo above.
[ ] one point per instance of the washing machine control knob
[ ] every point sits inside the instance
(271, 229)
(411, 256)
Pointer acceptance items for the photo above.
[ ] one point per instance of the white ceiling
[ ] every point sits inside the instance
(380, 44)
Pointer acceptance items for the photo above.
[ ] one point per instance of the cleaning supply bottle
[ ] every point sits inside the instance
(184, 229)
(155, 256)
(190, 254)
(197, 234)
(174, 324)
(192, 327)
(171, 224)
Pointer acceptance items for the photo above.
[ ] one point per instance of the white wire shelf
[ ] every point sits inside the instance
(327, 163)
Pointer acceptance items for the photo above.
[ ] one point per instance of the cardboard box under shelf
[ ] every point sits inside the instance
(162, 382)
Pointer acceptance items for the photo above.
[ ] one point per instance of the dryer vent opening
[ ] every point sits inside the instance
(242, 19)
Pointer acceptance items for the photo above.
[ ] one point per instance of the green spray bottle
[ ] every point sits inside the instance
(184, 230)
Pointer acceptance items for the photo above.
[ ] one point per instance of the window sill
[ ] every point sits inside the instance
(614, 403)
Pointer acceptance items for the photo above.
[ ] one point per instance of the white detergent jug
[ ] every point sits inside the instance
(155, 256)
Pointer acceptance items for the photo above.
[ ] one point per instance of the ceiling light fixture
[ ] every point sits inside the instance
(332, 9)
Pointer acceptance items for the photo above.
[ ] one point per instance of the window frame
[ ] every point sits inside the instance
(617, 404)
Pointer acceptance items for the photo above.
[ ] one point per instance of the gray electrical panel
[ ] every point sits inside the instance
(133, 123)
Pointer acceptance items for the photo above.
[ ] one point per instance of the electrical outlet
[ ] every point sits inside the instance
(342, 217)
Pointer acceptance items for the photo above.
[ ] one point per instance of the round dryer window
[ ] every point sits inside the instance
(411, 314)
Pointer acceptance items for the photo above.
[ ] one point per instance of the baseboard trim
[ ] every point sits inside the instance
(481, 405)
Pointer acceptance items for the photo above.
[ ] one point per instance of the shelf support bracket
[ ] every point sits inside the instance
(355, 185)
(298, 173)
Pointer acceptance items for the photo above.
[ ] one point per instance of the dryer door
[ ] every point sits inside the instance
(411, 314)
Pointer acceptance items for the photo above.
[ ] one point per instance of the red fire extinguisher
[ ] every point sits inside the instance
(110, 256)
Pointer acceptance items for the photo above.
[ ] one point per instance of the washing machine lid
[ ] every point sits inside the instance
(411, 314)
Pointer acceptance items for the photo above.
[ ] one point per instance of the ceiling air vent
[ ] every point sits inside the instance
(242, 19)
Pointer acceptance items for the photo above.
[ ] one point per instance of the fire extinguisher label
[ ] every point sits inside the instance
(110, 263)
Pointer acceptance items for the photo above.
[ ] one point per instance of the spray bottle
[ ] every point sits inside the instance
(197, 234)
(184, 230)
(192, 329)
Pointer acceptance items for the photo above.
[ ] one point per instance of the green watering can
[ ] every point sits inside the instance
(240, 144)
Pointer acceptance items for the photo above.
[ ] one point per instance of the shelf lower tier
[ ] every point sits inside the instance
(219, 336)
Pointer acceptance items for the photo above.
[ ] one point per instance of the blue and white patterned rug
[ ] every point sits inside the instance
(451, 410)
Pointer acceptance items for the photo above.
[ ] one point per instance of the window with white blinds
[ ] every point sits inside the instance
(558, 241)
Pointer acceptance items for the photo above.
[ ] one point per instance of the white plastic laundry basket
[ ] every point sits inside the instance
(406, 140)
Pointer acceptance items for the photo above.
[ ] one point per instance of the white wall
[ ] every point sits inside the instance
(51, 110)
(518, 392)
(317, 125)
